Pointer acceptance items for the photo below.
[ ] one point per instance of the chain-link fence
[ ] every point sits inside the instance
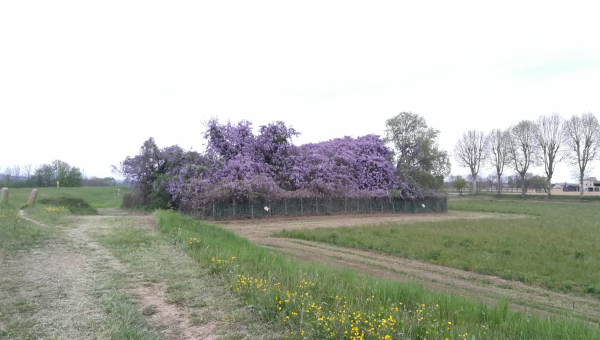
(318, 206)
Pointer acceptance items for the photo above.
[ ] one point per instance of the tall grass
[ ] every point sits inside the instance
(553, 245)
(314, 301)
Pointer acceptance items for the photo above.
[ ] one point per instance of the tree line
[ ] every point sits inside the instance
(546, 141)
(46, 175)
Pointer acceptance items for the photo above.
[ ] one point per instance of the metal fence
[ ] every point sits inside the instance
(318, 206)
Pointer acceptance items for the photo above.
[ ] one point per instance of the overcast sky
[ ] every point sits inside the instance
(87, 82)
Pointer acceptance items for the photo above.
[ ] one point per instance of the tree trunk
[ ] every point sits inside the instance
(523, 185)
(475, 185)
(548, 185)
(499, 185)
(581, 184)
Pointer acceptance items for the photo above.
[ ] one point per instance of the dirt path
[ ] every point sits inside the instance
(77, 271)
(487, 288)
(172, 320)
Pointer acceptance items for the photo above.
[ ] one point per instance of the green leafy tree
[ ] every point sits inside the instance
(47, 175)
(540, 183)
(460, 183)
(416, 145)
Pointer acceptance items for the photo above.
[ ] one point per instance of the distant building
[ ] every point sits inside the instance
(591, 184)
(570, 187)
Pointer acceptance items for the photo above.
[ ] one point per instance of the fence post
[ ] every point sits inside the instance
(4, 195)
(286, 210)
(358, 205)
(32, 197)
(252, 209)
(345, 204)
(301, 208)
(233, 208)
(270, 208)
(316, 206)
(213, 209)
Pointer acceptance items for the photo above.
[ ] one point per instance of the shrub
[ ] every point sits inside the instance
(76, 206)
(133, 199)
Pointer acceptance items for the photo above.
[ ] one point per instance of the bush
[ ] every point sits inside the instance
(76, 206)
(132, 200)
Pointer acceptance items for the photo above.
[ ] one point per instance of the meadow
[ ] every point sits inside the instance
(557, 195)
(316, 301)
(553, 245)
(97, 197)
(319, 301)
(17, 233)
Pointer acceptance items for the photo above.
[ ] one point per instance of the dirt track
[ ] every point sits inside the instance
(72, 273)
(487, 288)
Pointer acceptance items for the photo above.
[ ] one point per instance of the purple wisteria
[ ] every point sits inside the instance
(239, 166)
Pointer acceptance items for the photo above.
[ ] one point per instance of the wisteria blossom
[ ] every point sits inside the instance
(240, 166)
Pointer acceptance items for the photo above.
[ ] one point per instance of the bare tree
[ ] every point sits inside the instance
(7, 175)
(582, 136)
(523, 149)
(469, 152)
(498, 152)
(504, 181)
(28, 169)
(491, 180)
(550, 136)
(17, 172)
(450, 179)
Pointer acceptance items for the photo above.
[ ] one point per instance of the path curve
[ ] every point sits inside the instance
(487, 288)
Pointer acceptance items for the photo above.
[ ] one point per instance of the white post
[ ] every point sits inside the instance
(32, 197)
(4, 195)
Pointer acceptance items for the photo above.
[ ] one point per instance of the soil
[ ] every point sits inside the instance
(526, 298)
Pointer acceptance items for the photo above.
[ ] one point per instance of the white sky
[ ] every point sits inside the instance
(87, 82)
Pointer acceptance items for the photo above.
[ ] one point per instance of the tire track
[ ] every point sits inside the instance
(486, 288)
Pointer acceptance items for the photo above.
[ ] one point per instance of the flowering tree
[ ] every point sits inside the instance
(239, 166)
(343, 164)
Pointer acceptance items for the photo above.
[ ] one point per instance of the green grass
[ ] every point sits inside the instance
(77, 206)
(97, 197)
(17, 233)
(530, 197)
(554, 246)
(122, 309)
(27, 305)
(151, 255)
(314, 301)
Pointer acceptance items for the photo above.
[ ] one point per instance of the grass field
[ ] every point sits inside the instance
(557, 195)
(316, 301)
(111, 275)
(553, 245)
(97, 197)
(17, 233)
(325, 302)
